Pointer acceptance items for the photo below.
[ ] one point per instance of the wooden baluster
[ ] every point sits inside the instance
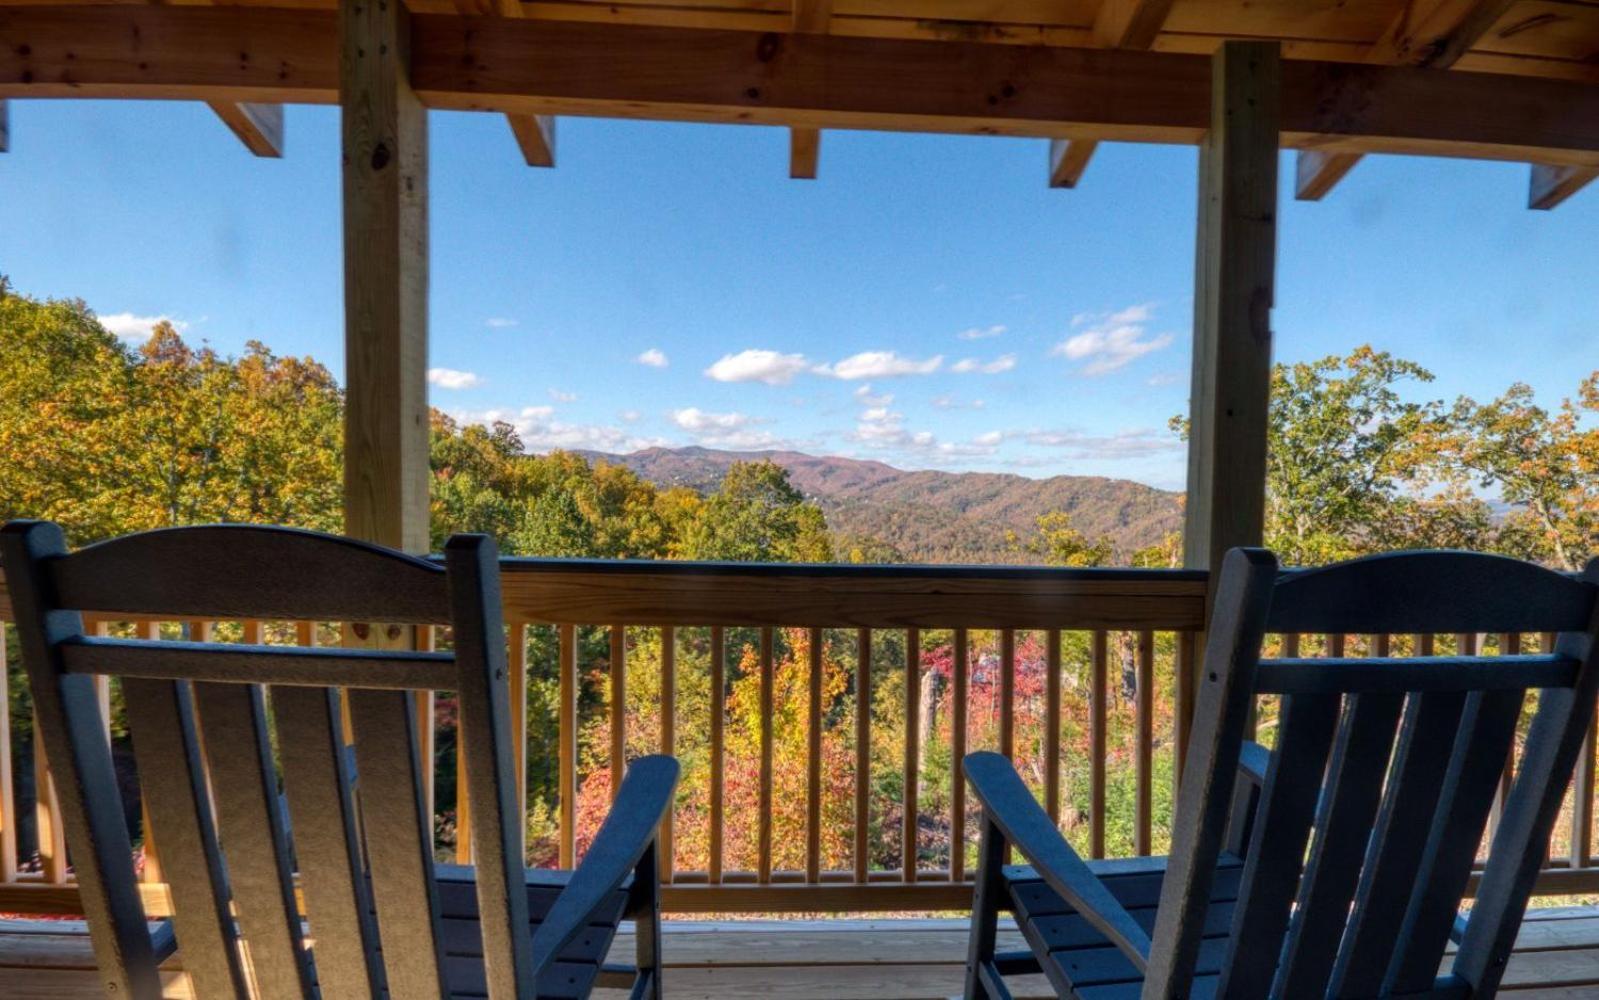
(957, 732)
(1509, 645)
(47, 826)
(764, 832)
(1382, 646)
(913, 753)
(1582, 792)
(1426, 645)
(424, 640)
(8, 807)
(1183, 715)
(566, 753)
(1007, 693)
(516, 663)
(463, 801)
(863, 751)
(813, 763)
(102, 685)
(1052, 725)
(618, 707)
(666, 857)
(718, 720)
(1096, 744)
(1144, 711)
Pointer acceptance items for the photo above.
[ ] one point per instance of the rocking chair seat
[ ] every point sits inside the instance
(578, 967)
(1080, 961)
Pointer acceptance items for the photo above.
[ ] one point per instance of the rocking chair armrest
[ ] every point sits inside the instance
(1011, 807)
(632, 825)
(1252, 761)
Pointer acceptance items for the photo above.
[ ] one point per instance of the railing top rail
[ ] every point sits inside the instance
(893, 571)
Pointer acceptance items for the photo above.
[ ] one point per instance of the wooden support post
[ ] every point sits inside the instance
(385, 279)
(1548, 187)
(1233, 290)
(5, 126)
(1068, 158)
(535, 136)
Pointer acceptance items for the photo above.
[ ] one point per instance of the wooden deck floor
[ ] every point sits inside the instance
(1557, 956)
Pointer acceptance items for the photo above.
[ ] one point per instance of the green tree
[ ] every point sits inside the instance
(1546, 464)
(1057, 543)
(756, 515)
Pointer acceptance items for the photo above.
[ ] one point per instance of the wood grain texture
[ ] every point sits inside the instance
(546, 66)
(384, 142)
(1234, 289)
(535, 137)
(1068, 158)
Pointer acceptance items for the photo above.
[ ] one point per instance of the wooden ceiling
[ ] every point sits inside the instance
(1554, 40)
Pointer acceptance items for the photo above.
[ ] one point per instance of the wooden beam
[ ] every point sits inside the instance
(1130, 24)
(535, 136)
(1235, 275)
(817, 81)
(804, 147)
(5, 126)
(1552, 185)
(1432, 34)
(385, 155)
(258, 126)
(1068, 158)
(813, 16)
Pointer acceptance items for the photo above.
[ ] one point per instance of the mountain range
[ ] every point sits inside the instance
(933, 516)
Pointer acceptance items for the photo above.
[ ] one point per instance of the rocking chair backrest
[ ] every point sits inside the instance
(227, 847)
(1385, 769)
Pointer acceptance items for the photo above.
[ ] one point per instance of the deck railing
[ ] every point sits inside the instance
(890, 674)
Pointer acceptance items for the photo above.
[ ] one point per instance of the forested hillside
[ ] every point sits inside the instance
(109, 438)
(929, 515)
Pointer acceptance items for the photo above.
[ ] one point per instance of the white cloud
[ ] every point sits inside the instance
(630, 416)
(981, 332)
(883, 429)
(449, 378)
(499, 322)
(563, 397)
(137, 329)
(1135, 443)
(1003, 363)
(880, 364)
(952, 402)
(653, 358)
(770, 367)
(725, 430)
(869, 398)
(695, 419)
(1111, 341)
(1163, 378)
(541, 432)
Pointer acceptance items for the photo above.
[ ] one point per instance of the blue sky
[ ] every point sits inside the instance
(928, 301)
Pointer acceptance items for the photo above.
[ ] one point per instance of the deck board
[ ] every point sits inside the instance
(1557, 958)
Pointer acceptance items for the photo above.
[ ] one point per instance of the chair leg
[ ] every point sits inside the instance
(985, 908)
(647, 924)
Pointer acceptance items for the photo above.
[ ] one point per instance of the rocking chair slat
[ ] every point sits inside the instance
(250, 822)
(1277, 847)
(1354, 788)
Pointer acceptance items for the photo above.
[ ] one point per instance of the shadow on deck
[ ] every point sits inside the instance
(1557, 956)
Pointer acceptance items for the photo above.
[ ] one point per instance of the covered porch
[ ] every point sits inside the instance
(1241, 81)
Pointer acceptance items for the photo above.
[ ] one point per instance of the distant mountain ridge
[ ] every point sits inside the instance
(928, 515)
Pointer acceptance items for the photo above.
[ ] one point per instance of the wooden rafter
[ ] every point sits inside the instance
(534, 134)
(1552, 185)
(1130, 24)
(1427, 35)
(1119, 24)
(805, 144)
(1067, 161)
(817, 81)
(258, 126)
